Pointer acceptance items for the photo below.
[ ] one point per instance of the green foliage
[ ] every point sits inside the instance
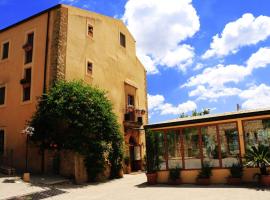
(174, 173)
(236, 170)
(206, 171)
(127, 160)
(258, 157)
(78, 117)
(152, 151)
(196, 113)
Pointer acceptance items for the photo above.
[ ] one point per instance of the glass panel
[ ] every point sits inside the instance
(210, 145)
(192, 148)
(160, 149)
(5, 50)
(26, 93)
(2, 95)
(174, 149)
(229, 143)
(257, 132)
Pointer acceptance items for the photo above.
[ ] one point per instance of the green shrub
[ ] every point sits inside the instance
(206, 171)
(236, 170)
(78, 117)
(174, 173)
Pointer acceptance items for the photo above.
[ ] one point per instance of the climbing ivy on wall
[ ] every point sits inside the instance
(78, 117)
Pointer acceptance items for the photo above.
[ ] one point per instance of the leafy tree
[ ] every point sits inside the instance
(196, 113)
(78, 117)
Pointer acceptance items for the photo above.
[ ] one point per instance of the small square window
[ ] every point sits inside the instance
(89, 68)
(5, 50)
(90, 30)
(122, 40)
(2, 95)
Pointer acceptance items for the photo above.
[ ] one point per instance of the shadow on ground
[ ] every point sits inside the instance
(253, 186)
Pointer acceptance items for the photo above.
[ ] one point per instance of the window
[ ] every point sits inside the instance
(174, 149)
(122, 40)
(160, 149)
(192, 152)
(229, 143)
(5, 50)
(28, 47)
(89, 68)
(210, 146)
(130, 100)
(27, 84)
(2, 142)
(90, 30)
(257, 132)
(2, 95)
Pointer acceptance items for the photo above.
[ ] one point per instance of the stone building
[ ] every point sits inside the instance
(64, 42)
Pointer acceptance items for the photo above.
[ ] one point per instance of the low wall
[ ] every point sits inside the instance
(219, 176)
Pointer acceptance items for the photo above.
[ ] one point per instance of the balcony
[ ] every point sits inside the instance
(133, 117)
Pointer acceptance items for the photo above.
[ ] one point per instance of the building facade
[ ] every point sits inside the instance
(221, 140)
(68, 43)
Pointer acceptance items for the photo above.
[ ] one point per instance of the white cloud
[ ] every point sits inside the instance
(259, 59)
(159, 28)
(198, 66)
(256, 97)
(148, 62)
(157, 105)
(246, 30)
(213, 82)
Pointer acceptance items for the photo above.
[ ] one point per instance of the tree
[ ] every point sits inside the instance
(196, 113)
(78, 117)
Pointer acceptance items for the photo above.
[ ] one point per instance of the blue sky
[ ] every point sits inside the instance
(199, 54)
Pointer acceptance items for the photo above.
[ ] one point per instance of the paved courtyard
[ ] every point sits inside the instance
(131, 187)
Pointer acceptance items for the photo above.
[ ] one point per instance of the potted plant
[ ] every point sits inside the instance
(127, 165)
(236, 171)
(205, 174)
(259, 157)
(174, 176)
(152, 161)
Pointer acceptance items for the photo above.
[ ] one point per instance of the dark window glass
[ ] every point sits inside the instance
(90, 30)
(28, 74)
(28, 56)
(26, 93)
(210, 146)
(174, 149)
(30, 39)
(2, 95)
(192, 152)
(89, 68)
(131, 100)
(2, 142)
(122, 40)
(5, 50)
(229, 143)
(29, 48)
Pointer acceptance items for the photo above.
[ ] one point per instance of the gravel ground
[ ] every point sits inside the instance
(133, 187)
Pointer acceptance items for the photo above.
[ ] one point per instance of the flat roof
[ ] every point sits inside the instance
(209, 118)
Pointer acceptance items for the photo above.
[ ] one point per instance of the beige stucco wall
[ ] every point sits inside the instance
(15, 113)
(112, 63)
(68, 49)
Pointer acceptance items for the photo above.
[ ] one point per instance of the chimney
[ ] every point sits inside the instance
(238, 108)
